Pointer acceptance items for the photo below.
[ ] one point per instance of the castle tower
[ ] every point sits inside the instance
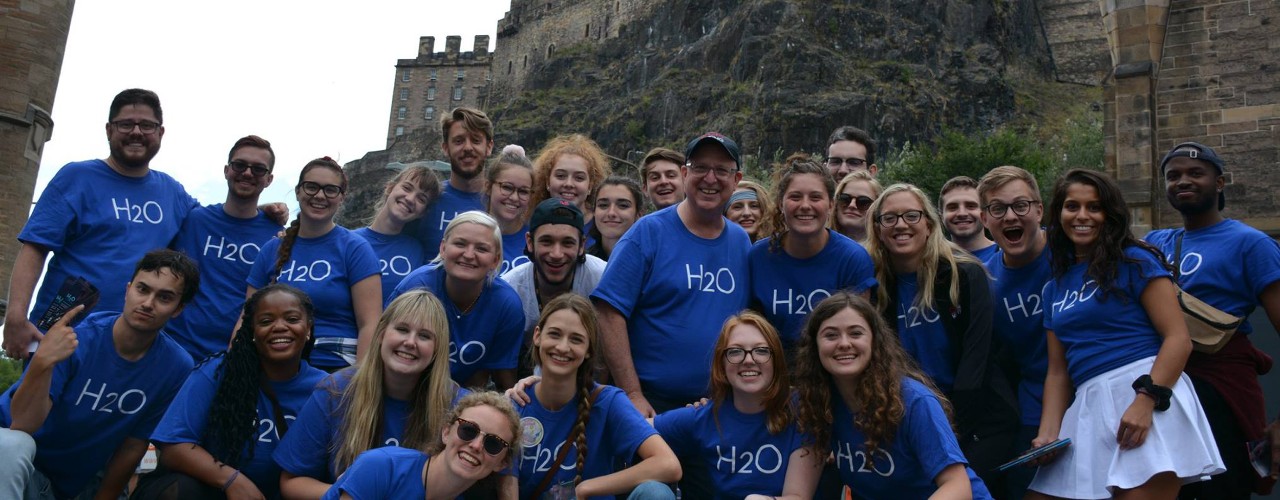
(31, 50)
(432, 84)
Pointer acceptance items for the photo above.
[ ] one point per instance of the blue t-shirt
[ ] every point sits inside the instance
(1100, 334)
(189, 414)
(614, 432)
(326, 268)
(924, 336)
(398, 255)
(513, 250)
(675, 289)
(224, 248)
(487, 337)
(383, 473)
(1018, 321)
(98, 223)
(99, 399)
(742, 455)
(983, 254)
(429, 230)
(786, 288)
(1226, 265)
(906, 466)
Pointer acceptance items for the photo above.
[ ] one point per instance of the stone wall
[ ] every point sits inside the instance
(1077, 40)
(1218, 84)
(33, 38)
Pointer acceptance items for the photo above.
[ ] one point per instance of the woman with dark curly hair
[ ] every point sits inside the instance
(1117, 344)
(864, 399)
(216, 439)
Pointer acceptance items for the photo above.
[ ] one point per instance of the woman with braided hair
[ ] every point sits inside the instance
(335, 267)
(747, 436)
(216, 442)
(566, 410)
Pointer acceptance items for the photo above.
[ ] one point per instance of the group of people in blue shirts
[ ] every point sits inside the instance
(847, 338)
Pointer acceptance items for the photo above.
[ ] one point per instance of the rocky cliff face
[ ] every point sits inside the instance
(779, 76)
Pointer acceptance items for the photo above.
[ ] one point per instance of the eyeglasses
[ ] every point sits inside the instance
(720, 172)
(861, 203)
(738, 355)
(910, 216)
(311, 188)
(468, 431)
(836, 161)
(258, 169)
(125, 126)
(507, 189)
(1020, 208)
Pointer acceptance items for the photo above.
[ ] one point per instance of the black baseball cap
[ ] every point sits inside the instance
(717, 138)
(1197, 151)
(556, 211)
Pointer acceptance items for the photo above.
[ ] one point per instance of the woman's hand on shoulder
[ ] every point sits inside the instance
(519, 392)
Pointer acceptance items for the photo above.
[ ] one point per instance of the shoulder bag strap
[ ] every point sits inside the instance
(564, 452)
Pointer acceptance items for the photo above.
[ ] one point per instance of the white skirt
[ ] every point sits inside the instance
(1094, 465)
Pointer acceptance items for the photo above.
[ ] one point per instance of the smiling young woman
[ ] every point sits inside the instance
(405, 198)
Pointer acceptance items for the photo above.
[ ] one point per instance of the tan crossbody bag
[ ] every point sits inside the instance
(1210, 328)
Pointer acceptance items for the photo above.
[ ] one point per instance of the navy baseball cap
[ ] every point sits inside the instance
(716, 138)
(1196, 151)
(556, 211)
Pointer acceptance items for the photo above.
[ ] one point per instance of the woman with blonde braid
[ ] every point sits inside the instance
(567, 410)
(336, 268)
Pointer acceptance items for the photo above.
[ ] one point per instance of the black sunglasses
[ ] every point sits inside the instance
(468, 431)
(861, 202)
(239, 166)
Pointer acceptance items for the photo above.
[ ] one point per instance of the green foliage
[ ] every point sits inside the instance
(10, 369)
(1078, 143)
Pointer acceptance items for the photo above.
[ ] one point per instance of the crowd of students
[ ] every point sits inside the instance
(692, 334)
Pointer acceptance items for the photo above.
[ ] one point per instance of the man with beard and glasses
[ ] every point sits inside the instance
(95, 215)
(1234, 268)
(558, 263)
(466, 140)
(962, 216)
(224, 239)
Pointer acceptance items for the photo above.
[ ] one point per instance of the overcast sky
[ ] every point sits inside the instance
(315, 78)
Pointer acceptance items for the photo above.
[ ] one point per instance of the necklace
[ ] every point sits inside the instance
(467, 309)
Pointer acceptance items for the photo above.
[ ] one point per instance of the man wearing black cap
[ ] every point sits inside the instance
(671, 282)
(558, 262)
(1234, 268)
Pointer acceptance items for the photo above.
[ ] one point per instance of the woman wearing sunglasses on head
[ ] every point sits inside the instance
(476, 443)
(939, 297)
(747, 436)
(397, 396)
(854, 195)
(578, 430)
(336, 268)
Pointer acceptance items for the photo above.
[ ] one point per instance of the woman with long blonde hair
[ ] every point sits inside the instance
(396, 396)
(854, 195)
(939, 298)
(747, 208)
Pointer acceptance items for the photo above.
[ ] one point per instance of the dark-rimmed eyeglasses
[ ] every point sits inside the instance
(720, 172)
(910, 216)
(311, 188)
(836, 161)
(258, 169)
(859, 202)
(126, 126)
(507, 189)
(738, 355)
(468, 431)
(1020, 208)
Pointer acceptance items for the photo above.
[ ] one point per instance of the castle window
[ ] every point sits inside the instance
(401, 112)
(429, 113)
(433, 74)
(399, 131)
(462, 73)
(431, 93)
(508, 67)
(457, 93)
(404, 77)
(551, 49)
(587, 32)
(404, 94)
(526, 62)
